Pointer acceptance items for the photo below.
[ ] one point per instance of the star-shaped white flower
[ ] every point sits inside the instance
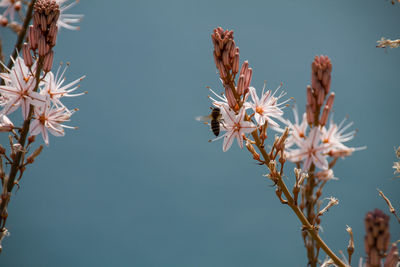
(297, 130)
(65, 20)
(310, 150)
(19, 91)
(50, 118)
(266, 107)
(335, 135)
(54, 87)
(235, 126)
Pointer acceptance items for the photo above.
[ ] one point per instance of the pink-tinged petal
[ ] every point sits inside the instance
(320, 161)
(266, 97)
(247, 127)
(35, 127)
(227, 115)
(37, 99)
(313, 138)
(253, 95)
(11, 106)
(10, 90)
(45, 135)
(55, 130)
(25, 108)
(259, 119)
(307, 164)
(239, 139)
(272, 123)
(228, 140)
(240, 117)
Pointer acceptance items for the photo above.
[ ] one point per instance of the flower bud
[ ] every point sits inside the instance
(27, 55)
(48, 61)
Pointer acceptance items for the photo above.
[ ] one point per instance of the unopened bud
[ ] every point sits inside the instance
(247, 78)
(48, 61)
(330, 100)
(35, 153)
(42, 46)
(240, 87)
(2, 150)
(310, 115)
(244, 68)
(36, 19)
(325, 115)
(235, 66)
(27, 55)
(320, 97)
(33, 37)
(230, 97)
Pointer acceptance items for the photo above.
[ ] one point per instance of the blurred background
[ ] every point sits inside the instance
(139, 185)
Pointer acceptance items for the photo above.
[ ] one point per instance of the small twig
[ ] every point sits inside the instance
(350, 247)
(391, 209)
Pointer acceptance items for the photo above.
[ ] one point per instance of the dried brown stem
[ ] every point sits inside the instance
(391, 209)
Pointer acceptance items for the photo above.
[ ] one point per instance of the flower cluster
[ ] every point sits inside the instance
(316, 144)
(311, 141)
(49, 113)
(237, 123)
(31, 84)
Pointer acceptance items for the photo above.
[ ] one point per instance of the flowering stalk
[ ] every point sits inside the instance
(266, 111)
(29, 83)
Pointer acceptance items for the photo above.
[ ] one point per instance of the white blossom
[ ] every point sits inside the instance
(50, 118)
(54, 87)
(66, 20)
(311, 150)
(266, 107)
(19, 90)
(235, 126)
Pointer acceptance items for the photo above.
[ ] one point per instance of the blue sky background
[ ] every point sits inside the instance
(139, 185)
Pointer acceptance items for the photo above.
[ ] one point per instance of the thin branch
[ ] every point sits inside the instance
(391, 209)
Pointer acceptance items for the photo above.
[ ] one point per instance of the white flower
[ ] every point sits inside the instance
(65, 20)
(334, 137)
(54, 88)
(50, 118)
(235, 126)
(310, 150)
(19, 91)
(267, 107)
(297, 130)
